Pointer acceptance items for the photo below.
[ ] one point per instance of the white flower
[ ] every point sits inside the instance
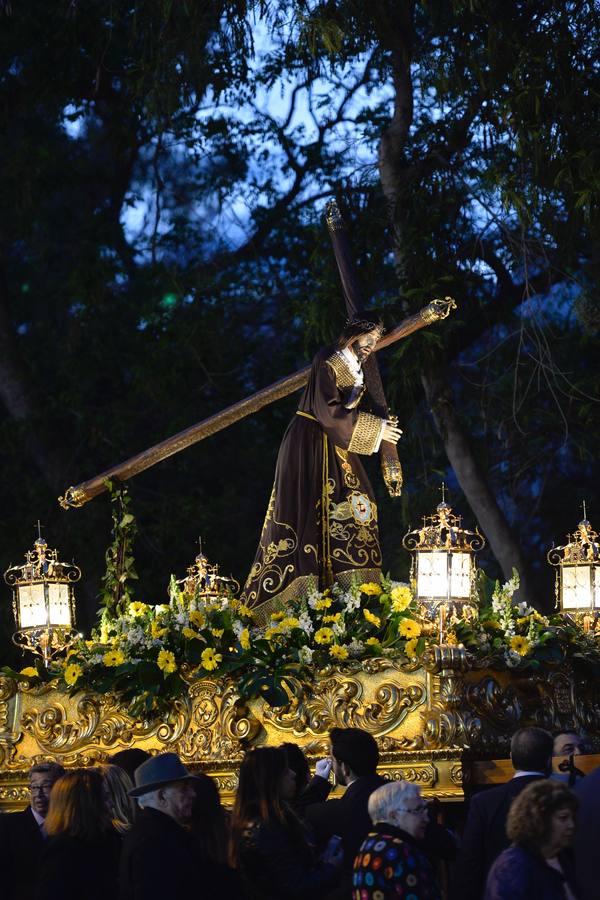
(512, 658)
(355, 648)
(182, 619)
(238, 627)
(135, 635)
(96, 659)
(305, 655)
(338, 628)
(161, 609)
(306, 623)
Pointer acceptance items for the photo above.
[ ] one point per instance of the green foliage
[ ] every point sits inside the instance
(117, 590)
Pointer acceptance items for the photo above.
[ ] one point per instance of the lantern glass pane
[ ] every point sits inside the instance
(576, 587)
(432, 575)
(596, 585)
(32, 606)
(460, 575)
(58, 596)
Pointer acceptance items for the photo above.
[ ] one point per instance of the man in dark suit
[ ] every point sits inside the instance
(484, 837)
(22, 835)
(586, 835)
(354, 758)
(157, 859)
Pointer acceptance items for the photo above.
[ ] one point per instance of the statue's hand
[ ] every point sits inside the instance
(391, 432)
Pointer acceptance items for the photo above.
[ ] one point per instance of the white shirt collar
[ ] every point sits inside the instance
(521, 773)
(39, 819)
(352, 363)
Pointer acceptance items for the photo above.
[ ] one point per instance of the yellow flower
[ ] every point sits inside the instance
(189, 633)
(113, 658)
(166, 661)
(451, 639)
(372, 642)
(277, 616)
(218, 632)
(290, 622)
(323, 603)
(137, 609)
(271, 633)
(210, 659)
(72, 673)
(245, 639)
(333, 617)
(520, 645)
(324, 636)
(29, 671)
(197, 618)
(372, 618)
(408, 628)
(410, 648)
(156, 630)
(401, 598)
(336, 651)
(90, 644)
(370, 588)
(245, 611)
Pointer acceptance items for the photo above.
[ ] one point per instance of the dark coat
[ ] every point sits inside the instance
(275, 863)
(586, 835)
(520, 874)
(347, 816)
(71, 868)
(389, 864)
(316, 791)
(157, 861)
(484, 837)
(21, 846)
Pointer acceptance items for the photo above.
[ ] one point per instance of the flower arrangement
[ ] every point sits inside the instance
(151, 654)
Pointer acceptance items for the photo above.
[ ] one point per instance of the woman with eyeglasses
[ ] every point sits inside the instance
(390, 863)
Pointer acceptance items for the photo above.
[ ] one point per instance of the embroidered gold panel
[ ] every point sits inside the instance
(432, 720)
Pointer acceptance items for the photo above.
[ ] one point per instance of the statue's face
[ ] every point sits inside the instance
(364, 345)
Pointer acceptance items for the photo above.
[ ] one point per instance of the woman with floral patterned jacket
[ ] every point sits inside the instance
(389, 863)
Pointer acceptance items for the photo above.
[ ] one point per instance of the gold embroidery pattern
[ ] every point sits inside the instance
(366, 433)
(269, 573)
(353, 528)
(344, 377)
(350, 479)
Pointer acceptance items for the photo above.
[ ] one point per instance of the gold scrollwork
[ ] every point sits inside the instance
(339, 701)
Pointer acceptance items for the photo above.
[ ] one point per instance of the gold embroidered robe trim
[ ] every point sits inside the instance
(366, 434)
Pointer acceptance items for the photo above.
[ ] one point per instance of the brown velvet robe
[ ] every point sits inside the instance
(321, 523)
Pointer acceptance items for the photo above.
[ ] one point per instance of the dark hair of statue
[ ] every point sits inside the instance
(259, 800)
(355, 747)
(77, 806)
(361, 323)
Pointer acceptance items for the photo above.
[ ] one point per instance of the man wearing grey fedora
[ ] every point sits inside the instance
(157, 859)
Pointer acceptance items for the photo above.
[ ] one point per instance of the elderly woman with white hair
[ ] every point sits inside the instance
(389, 863)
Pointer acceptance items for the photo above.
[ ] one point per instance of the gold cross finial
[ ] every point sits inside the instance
(39, 530)
(443, 490)
(584, 509)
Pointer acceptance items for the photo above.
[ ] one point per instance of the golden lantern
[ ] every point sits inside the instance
(578, 572)
(443, 566)
(43, 601)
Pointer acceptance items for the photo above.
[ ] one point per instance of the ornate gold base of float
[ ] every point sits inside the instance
(433, 720)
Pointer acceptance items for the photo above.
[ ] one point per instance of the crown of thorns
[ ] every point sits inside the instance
(367, 324)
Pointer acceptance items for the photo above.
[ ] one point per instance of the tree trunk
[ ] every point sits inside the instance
(474, 484)
(397, 35)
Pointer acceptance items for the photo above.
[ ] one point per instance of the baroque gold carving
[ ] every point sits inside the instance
(339, 701)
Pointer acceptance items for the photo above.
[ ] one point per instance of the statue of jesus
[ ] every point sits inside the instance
(321, 523)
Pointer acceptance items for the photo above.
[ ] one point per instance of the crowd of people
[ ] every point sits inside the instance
(142, 827)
